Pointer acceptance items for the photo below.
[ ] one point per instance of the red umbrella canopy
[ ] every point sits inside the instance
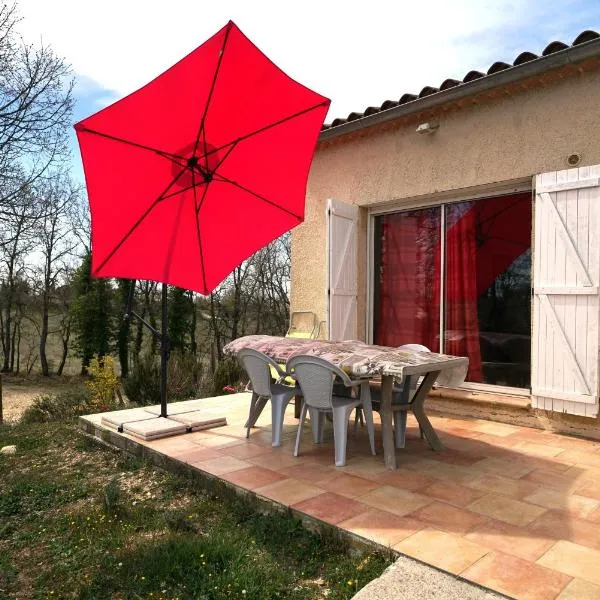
(201, 167)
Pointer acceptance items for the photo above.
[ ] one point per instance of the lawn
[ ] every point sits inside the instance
(78, 520)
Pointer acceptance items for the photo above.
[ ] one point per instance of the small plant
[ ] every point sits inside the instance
(112, 495)
(104, 383)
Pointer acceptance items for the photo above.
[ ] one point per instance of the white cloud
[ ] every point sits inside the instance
(356, 53)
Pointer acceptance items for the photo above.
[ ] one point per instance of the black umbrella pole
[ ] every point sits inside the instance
(164, 353)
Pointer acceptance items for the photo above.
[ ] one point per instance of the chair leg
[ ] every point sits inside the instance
(357, 419)
(278, 405)
(256, 407)
(341, 415)
(317, 423)
(299, 433)
(367, 408)
(400, 428)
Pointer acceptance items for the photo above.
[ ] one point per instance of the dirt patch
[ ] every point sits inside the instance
(18, 393)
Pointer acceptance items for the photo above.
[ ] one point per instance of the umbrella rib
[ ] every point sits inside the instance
(212, 89)
(270, 126)
(249, 191)
(198, 226)
(173, 157)
(140, 220)
(222, 160)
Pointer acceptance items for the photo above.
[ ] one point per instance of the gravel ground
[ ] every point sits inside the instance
(408, 579)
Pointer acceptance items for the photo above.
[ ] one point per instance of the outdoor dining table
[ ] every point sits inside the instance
(365, 361)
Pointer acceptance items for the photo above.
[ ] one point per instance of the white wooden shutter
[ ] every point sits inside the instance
(566, 276)
(342, 227)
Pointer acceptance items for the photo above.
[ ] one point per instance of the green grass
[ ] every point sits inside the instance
(82, 521)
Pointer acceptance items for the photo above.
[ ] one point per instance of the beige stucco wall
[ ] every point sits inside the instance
(514, 136)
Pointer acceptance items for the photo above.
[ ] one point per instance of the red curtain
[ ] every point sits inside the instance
(462, 324)
(408, 308)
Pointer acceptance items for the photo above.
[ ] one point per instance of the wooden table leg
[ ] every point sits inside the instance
(418, 408)
(387, 428)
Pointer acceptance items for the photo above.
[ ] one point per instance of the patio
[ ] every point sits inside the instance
(511, 508)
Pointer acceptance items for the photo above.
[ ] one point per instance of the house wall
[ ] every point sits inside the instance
(516, 135)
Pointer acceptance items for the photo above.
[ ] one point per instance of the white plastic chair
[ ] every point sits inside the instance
(259, 368)
(316, 377)
(401, 396)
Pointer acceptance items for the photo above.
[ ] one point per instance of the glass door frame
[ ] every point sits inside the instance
(442, 200)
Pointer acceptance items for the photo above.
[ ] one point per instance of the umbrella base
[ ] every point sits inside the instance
(153, 429)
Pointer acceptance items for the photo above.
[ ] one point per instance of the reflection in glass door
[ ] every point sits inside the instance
(486, 291)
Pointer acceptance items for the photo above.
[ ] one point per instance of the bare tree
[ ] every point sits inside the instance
(16, 242)
(36, 101)
(56, 244)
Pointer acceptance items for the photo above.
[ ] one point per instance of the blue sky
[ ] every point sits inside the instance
(357, 54)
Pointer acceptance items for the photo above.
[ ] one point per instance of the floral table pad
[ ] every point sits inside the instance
(357, 359)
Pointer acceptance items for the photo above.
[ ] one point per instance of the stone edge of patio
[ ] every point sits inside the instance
(452, 586)
(408, 579)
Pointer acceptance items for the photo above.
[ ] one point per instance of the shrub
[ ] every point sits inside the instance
(103, 383)
(229, 373)
(57, 407)
(142, 386)
(184, 375)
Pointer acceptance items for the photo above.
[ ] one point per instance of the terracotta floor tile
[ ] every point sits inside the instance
(403, 478)
(244, 450)
(347, 485)
(366, 467)
(594, 517)
(381, 526)
(506, 509)
(462, 432)
(516, 577)
(510, 539)
(568, 480)
(198, 455)
(221, 465)
(440, 470)
(589, 489)
(514, 468)
(496, 484)
(588, 459)
(289, 491)
(172, 446)
(253, 477)
(498, 429)
(443, 550)
(574, 560)
(576, 505)
(541, 450)
(276, 459)
(331, 508)
(561, 525)
(308, 471)
(448, 518)
(579, 589)
(456, 457)
(394, 500)
(458, 495)
(216, 441)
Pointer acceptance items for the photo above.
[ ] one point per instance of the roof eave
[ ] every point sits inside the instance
(571, 55)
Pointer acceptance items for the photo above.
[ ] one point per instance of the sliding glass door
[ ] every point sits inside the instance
(457, 279)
